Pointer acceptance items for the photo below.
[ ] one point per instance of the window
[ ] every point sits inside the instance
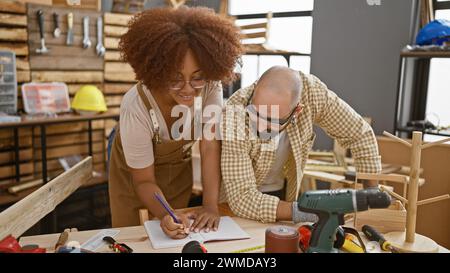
(290, 30)
(438, 98)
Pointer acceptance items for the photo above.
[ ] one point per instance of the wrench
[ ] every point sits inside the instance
(69, 40)
(100, 48)
(86, 42)
(43, 49)
(57, 30)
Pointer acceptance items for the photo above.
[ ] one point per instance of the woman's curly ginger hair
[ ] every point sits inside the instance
(158, 39)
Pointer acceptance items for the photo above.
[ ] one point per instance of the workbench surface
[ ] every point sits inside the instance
(137, 239)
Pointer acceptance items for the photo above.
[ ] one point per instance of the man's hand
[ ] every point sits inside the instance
(174, 230)
(206, 218)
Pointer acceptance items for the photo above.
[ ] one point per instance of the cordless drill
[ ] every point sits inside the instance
(330, 207)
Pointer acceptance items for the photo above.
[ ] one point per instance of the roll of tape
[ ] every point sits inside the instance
(281, 239)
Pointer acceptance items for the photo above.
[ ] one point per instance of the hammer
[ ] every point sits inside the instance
(43, 48)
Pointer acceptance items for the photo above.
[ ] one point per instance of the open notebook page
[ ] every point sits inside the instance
(228, 230)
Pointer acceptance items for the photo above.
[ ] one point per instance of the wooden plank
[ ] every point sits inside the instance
(112, 55)
(70, 139)
(113, 100)
(116, 19)
(118, 67)
(120, 77)
(24, 214)
(69, 150)
(77, 11)
(55, 167)
(21, 49)
(84, 4)
(8, 157)
(75, 63)
(67, 76)
(70, 128)
(50, 41)
(111, 43)
(254, 26)
(10, 170)
(8, 142)
(13, 34)
(77, 29)
(66, 51)
(114, 31)
(73, 88)
(100, 168)
(116, 88)
(253, 35)
(23, 76)
(22, 64)
(13, 20)
(12, 6)
(9, 133)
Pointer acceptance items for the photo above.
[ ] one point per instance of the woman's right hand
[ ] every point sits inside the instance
(174, 230)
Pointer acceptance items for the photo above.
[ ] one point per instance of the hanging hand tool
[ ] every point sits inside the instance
(330, 206)
(100, 48)
(69, 40)
(373, 235)
(86, 41)
(57, 30)
(43, 49)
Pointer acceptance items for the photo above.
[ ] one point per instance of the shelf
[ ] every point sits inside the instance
(445, 133)
(426, 54)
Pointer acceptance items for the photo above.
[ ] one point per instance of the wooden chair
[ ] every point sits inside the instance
(25, 213)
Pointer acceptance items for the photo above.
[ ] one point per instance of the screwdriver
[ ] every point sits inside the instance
(373, 235)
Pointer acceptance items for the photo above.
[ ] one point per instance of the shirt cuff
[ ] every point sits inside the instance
(368, 164)
(268, 208)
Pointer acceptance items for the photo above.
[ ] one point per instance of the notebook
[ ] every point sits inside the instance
(228, 230)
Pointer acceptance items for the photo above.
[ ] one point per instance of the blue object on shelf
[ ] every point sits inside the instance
(437, 32)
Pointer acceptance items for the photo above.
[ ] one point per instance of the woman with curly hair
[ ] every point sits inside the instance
(179, 56)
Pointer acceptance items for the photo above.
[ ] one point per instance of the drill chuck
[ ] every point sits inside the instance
(373, 199)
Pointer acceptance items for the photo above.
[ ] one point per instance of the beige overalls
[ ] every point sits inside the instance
(173, 172)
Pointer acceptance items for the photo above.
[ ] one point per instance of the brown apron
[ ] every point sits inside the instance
(173, 172)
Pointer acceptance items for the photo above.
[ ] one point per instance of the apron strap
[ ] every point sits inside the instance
(152, 112)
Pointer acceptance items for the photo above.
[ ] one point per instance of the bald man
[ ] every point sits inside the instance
(267, 132)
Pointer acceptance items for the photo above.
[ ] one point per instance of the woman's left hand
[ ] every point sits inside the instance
(206, 218)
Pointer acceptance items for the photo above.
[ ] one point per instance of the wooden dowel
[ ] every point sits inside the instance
(383, 177)
(431, 144)
(413, 187)
(397, 138)
(405, 192)
(434, 199)
(399, 197)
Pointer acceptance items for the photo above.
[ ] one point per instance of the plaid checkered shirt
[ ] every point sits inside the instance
(245, 162)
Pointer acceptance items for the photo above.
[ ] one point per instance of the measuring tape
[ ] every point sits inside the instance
(96, 241)
(249, 249)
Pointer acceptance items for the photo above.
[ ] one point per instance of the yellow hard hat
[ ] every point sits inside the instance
(89, 98)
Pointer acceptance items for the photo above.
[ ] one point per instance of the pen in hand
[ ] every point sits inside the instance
(169, 211)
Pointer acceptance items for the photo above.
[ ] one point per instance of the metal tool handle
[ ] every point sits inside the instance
(40, 15)
(99, 29)
(86, 26)
(70, 20)
(56, 19)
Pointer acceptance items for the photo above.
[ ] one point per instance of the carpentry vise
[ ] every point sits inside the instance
(330, 206)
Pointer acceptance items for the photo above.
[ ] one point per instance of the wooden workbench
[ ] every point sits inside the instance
(137, 238)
